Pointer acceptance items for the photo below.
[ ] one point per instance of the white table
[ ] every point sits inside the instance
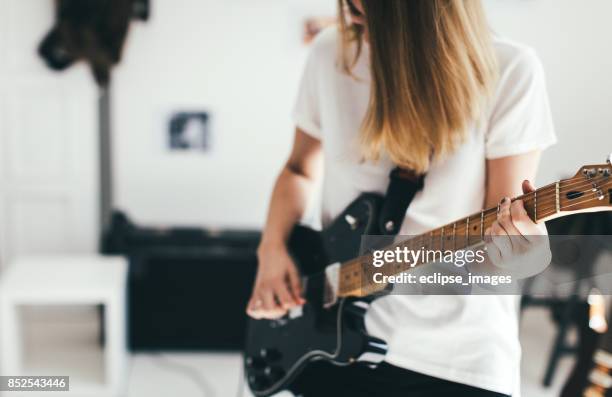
(67, 280)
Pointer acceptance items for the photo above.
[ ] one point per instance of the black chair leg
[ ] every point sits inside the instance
(102, 328)
(560, 346)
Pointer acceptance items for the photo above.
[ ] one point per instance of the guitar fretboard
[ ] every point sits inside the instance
(567, 196)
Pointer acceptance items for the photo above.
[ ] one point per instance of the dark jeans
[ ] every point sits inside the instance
(327, 380)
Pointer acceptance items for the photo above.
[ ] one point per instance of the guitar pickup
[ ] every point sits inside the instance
(295, 312)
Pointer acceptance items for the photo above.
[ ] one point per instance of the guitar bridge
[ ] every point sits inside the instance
(332, 283)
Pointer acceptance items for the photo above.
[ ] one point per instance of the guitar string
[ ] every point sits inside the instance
(546, 211)
(595, 199)
(553, 208)
(353, 263)
(543, 195)
(568, 187)
(564, 187)
(547, 195)
(352, 285)
(573, 181)
(356, 285)
(550, 204)
(526, 197)
(591, 190)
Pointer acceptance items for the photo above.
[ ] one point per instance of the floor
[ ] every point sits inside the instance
(219, 374)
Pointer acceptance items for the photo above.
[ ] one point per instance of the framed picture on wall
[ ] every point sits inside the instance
(188, 131)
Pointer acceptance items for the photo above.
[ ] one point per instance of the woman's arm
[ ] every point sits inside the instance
(293, 188)
(506, 175)
(514, 234)
(277, 286)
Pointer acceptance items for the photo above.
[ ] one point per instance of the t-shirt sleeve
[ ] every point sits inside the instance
(520, 120)
(306, 110)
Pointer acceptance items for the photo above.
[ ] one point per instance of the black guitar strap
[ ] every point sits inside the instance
(403, 186)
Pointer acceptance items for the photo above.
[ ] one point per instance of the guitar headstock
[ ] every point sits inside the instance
(589, 190)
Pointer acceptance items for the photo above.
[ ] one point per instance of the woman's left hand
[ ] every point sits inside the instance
(515, 243)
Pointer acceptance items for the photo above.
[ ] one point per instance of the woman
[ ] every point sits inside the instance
(423, 85)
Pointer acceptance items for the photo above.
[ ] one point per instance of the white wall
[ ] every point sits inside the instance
(242, 59)
(574, 41)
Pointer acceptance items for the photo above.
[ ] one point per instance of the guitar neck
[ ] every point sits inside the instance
(578, 194)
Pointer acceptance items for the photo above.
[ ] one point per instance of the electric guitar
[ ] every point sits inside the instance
(338, 284)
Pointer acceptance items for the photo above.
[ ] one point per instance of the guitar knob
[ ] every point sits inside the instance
(274, 373)
(258, 382)
(270, 354)
(254, 362)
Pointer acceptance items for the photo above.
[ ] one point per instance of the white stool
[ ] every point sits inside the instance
(67, 280)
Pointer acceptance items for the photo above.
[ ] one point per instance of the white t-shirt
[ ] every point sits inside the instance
(467, 339)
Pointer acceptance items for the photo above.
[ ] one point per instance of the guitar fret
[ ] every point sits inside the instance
(467, 231)
(353, 277)
(535, 206)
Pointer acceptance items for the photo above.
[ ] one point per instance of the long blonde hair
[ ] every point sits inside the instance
(432, 69)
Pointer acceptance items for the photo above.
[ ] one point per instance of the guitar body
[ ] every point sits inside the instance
(323, 329)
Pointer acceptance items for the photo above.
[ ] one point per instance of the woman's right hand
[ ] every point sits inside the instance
(277, 285)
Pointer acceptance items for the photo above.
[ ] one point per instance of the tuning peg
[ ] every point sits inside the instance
(609, 159)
